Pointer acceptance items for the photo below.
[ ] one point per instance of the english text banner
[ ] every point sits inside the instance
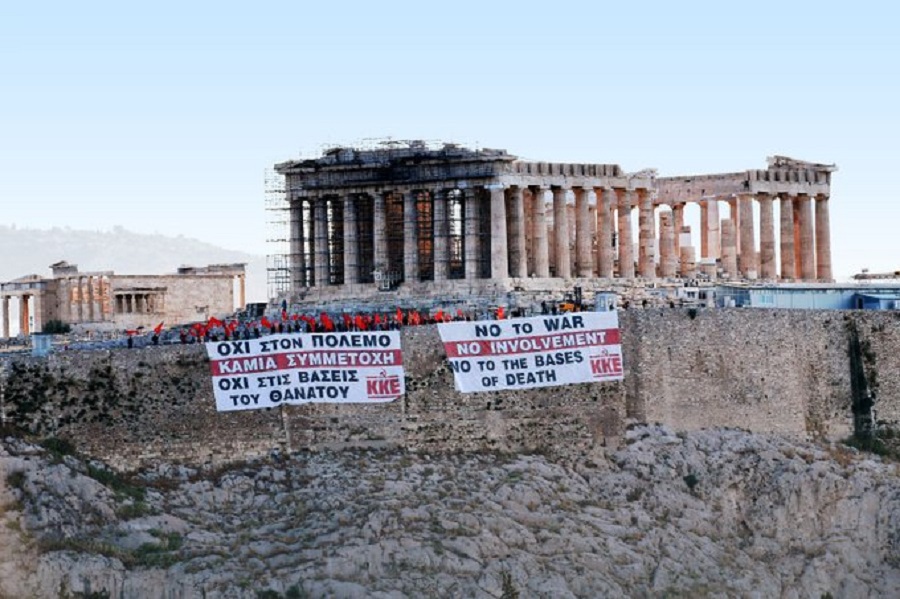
(541, 351)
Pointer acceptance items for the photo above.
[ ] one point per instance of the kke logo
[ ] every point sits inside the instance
(605, 365)
(383, 386)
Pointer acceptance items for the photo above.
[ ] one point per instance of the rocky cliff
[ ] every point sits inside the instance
(705, 513)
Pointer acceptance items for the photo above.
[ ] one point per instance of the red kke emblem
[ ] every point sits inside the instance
(383, 386)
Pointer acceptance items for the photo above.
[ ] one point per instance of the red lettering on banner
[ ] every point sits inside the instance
(606, 366)
(532, 344)
(383, 386)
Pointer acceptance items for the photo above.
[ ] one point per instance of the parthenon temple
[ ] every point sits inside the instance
(414, 214)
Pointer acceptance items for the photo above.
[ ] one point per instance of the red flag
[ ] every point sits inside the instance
(231, 326)
(500, 313)
(265, 322)
(377, 318)
(327, 323)
(284, 315)
(439, 315)
(460, 315)
(360, 323)
(348, 321)
(214, 322)
(158, 329)
(399, 316)
(130, 332)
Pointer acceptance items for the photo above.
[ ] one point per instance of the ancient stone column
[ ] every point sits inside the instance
(410, 237)
(518, 259)
(473, 239)
(441, 246)
(807, 239)
(710, 237)
(351, 241)
(298, 259)
(379, 232)
(766, 237)
(80, 299)
(735, 214)
(667, 245)
(561, 233)
(4, 316)
(687, 261)
(747, 238)
(646, 238)
(24, 326)
(38, 312)
(321, 266)
(584, 260)
(539, 234)
(729, 248)
(90, 299)
(499, 254)
(678, 216)
(788, 264)
(626, 249)
(242, 291)
(823, 240)
(605, 201)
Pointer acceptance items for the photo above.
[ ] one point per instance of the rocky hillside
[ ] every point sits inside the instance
(712, 513)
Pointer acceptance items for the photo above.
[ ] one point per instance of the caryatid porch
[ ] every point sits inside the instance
(413, 214)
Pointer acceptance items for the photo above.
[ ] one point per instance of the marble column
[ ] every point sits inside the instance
(321, 265)
(242, 292)
(605, 259)
(539, 233)
(379, 232)
(678, 216)
(748, 266)
(298, 266)
(24, 326)
(441, 246)
(499, 254)
(90, 299)
(646, 235)
(807, 239)
(626, 249)
(80, 298)
(584, 260)
(823, 239)
(38, 312)
(518, 259)
(788, 263)
(473, 239)
(351, 241)
(410, 237)
(766, 237)
(729, 248)
(563, 262)
(735, 215)
(687, 261)
(667, 256)
(710, 234)
(4, 317)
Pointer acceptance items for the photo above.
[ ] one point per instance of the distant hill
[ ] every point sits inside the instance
(32, 251)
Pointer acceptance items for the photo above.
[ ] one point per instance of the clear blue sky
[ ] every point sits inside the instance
(162, 117)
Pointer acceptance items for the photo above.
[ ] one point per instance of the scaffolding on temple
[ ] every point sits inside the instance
(392, 233)
(278, 210)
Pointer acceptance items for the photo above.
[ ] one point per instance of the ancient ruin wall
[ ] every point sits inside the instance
(763, 370)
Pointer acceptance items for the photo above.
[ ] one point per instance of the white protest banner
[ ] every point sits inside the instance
(350, 367)
(541, 351)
